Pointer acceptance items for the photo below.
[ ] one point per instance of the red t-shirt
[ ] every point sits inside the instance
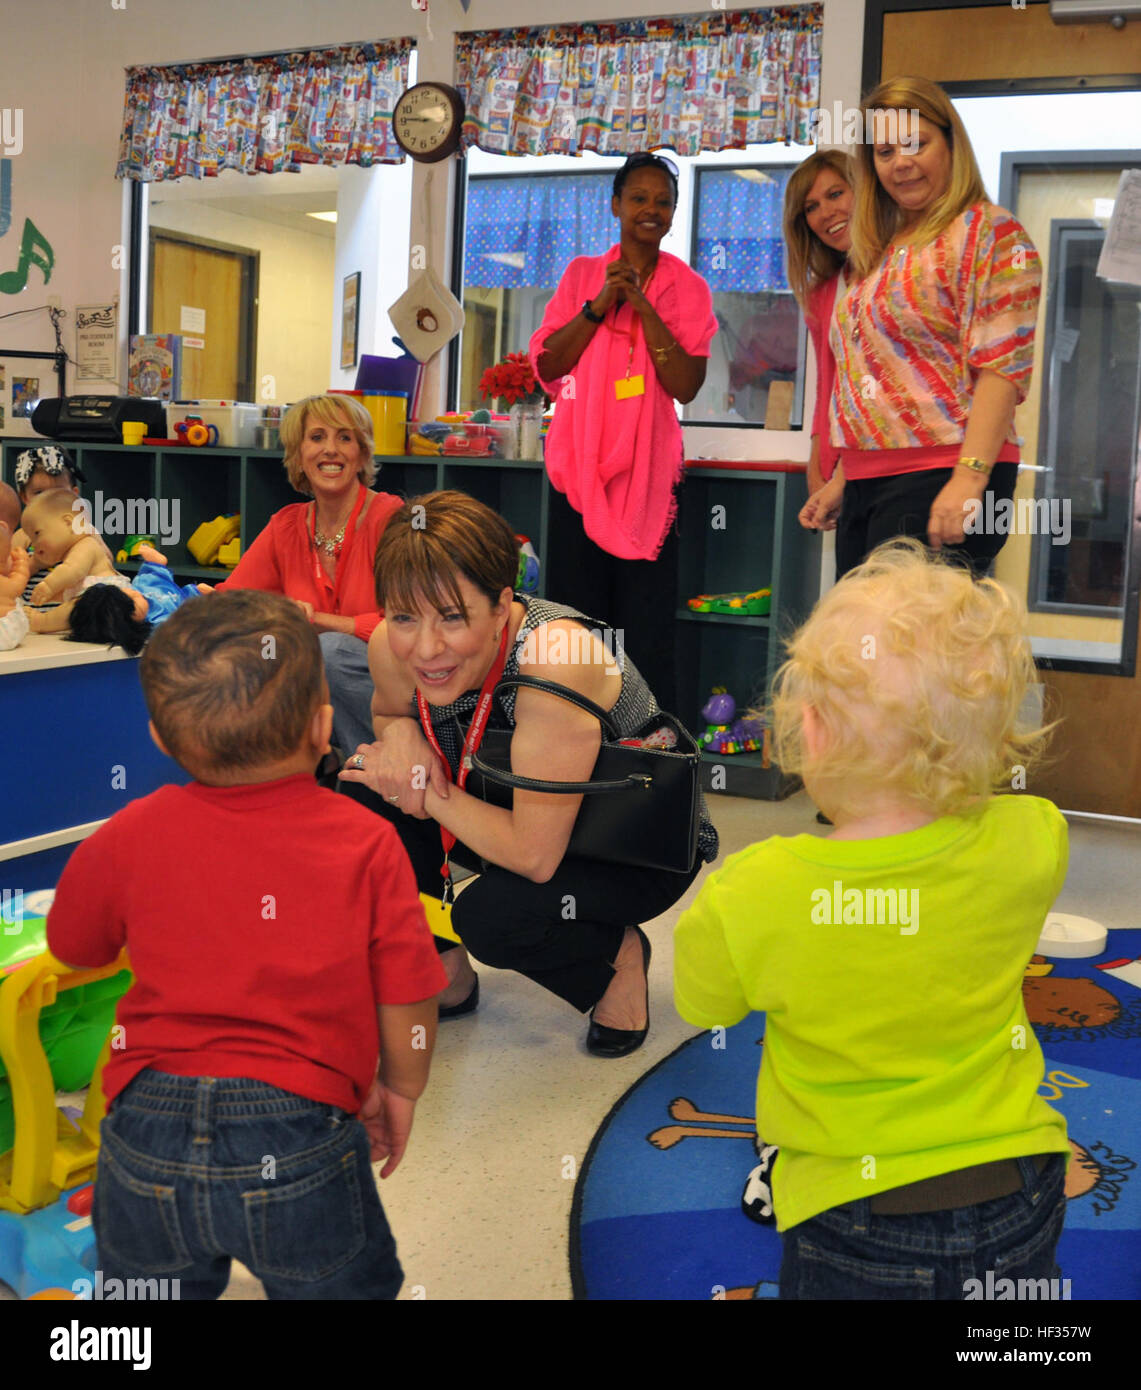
(282, 561)
(264, 923)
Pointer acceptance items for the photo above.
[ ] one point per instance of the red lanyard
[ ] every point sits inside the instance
(471, 744)
(323, 579)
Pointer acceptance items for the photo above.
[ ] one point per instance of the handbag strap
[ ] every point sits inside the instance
(533, 784)
(550, 688)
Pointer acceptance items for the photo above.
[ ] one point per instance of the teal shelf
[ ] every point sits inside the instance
(687, 615)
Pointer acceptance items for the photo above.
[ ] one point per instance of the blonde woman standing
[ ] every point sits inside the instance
(818, 236)
(934, 340)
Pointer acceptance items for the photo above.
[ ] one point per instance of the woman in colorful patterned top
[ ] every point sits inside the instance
(818, 236)
(934, 341)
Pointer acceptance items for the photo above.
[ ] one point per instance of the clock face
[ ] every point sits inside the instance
(427, 121)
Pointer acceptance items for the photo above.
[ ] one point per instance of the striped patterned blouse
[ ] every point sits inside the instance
(911, 338)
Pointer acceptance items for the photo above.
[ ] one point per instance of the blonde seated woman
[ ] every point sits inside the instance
(445, 571)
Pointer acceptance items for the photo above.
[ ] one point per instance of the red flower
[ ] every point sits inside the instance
(512, 379)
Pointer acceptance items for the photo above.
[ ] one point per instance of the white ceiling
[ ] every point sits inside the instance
(281, 198)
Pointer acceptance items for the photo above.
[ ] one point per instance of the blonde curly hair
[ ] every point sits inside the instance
(916, 673)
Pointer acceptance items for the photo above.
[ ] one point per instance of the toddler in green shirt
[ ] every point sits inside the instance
(899, 1084)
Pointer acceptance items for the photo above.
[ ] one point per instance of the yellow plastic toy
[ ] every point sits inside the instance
(230, 553)
(211, 536)
(50, 1154)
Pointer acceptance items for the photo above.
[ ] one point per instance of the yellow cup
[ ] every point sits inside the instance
(133, 431)
(389, 418)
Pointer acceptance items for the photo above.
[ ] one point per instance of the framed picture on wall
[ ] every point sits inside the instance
(350, 319)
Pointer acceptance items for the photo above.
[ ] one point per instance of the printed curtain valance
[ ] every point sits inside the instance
(688, 84)
(264, 115)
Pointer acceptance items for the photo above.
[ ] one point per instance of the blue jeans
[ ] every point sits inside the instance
(197, 1170)
(849, 1252)
(350, 689)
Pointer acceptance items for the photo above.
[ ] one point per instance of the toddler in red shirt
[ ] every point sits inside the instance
(278, 946)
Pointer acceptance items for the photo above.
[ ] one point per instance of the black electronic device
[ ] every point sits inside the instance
(97, 419)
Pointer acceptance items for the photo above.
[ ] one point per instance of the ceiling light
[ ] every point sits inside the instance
(323, 216)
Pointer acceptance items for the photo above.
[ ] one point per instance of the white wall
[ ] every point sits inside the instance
(373, 208)
(63, 65)
(295, 270)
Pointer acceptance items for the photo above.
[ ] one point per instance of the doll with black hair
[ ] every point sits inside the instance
(125, 616)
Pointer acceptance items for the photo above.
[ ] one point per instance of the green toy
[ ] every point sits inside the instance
(74, 1028)
(130, 548)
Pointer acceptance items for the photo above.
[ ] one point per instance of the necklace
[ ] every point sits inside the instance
(329, 546)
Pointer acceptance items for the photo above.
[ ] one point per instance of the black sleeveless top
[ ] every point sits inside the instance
(634, 707)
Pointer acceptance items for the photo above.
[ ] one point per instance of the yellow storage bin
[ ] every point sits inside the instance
(211, 536)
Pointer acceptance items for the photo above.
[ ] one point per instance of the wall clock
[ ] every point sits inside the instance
(427, 121)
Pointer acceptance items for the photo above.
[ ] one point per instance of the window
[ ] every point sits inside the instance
(738, 246)
(521, 232)
(526, 217)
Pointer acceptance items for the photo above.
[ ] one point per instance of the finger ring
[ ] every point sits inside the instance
(395, 800)
(357, 760)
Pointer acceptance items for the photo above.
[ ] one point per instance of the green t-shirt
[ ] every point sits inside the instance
(897, 1045)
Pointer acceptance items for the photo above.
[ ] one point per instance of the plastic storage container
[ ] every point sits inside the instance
(389, 411)
(237, 421)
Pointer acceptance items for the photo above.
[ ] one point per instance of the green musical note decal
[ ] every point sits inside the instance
(5, 195)
(34, 250)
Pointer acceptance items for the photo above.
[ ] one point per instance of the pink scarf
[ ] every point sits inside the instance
(618, 461)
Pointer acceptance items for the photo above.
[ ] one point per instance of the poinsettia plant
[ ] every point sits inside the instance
(513, 379)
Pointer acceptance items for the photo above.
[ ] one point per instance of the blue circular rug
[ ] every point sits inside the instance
(657, 1207)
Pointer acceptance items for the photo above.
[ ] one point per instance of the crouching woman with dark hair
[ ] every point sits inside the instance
(445, 571)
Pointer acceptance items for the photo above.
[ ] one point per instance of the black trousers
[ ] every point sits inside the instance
(877, 509)
(563, 934)
(638, 597)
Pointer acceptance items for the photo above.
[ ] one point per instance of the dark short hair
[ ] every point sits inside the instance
(231, 680)
(436, 537)
(645, 160)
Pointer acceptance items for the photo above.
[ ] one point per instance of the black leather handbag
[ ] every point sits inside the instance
(641, 806)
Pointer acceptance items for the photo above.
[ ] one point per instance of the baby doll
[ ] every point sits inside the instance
(58, 529)
(14, 568)
(125, 616)
(42, 469)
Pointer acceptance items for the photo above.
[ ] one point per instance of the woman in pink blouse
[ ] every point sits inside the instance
(934, 339)
(625, 335)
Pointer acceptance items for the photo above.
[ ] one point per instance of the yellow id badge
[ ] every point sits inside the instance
(627, 386)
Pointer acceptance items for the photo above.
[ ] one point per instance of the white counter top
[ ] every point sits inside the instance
(42, 651)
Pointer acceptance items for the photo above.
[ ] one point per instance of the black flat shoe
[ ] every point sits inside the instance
(620, 1042)
(465, 1006)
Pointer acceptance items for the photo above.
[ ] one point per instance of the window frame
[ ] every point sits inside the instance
(1011, 166)
(796, 418)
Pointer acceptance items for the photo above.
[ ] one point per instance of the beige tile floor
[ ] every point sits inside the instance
(481, 1204)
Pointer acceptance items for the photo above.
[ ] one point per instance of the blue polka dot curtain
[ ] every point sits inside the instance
(740, 244)
(708, 82)
(524, 231)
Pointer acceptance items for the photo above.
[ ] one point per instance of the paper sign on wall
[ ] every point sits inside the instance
(192, 320)
(194, 342)
(96, 343)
